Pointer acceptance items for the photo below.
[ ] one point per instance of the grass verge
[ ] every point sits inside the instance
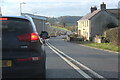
(106, 46)
(61, 28)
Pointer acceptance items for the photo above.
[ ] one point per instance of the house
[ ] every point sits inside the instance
(96, 22)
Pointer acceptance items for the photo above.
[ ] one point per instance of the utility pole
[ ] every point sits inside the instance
(119, 13)
(0, 12)
(21, 7)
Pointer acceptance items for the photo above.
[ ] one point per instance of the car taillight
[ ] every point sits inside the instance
(3, 18)
(29, 59)
(34, 36)
(28, 37)
(24, 59)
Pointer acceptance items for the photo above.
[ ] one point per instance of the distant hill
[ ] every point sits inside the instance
(52, 20)
(64, 20)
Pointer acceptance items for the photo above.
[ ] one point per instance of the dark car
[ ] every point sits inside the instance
(44, 34)
(23, 54)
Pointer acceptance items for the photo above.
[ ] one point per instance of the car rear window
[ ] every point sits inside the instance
(16, 25)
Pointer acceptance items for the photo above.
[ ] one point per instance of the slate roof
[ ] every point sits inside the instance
(114, 12)
(90, 15)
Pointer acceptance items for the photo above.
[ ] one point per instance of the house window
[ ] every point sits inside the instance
(87, 23)
(83, 24)
(79, 32)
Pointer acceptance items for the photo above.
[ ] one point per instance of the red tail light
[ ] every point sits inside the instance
(29, 59)
(34, 36)
(3, 18)
(28, 37)
(25, 59)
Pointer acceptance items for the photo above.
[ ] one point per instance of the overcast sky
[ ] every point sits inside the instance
(54, 8)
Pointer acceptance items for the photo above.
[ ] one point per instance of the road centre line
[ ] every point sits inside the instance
(71, 64)
(85, 67)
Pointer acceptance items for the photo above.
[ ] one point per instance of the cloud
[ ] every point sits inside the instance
(54, 7)
(10, 10)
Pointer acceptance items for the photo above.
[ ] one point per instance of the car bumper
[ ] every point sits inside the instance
(30, 71)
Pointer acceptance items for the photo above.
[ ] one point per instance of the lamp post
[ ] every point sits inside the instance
(21, 7)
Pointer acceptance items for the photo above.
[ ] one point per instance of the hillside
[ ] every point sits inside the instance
(64, 20)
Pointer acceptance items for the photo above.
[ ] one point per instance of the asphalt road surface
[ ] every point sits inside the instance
(71, 60)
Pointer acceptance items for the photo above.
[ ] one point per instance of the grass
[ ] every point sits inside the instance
(61, 28)
(106, 46)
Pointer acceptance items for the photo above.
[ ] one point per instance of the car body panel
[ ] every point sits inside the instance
(13, 49)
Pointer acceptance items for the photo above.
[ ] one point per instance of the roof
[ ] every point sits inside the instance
(90, 15)
(114, 12)
(22, 17)
(35, 16)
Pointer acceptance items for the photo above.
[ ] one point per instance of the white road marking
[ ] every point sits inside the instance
(71, 64)
(85, 67)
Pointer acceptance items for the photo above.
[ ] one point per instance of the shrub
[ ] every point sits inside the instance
(80, 38)
(114, 36)
(75, 37)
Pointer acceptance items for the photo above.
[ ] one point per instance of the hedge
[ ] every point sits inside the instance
(114, 36)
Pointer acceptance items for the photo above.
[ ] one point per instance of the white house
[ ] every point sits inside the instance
(95, 22)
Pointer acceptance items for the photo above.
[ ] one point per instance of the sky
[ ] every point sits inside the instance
(53, 8)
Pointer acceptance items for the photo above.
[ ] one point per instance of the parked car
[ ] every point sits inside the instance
(23, 54)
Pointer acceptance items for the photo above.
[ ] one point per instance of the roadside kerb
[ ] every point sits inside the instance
(100, 49)
(96, 48)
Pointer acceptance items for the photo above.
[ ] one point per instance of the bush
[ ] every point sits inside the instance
(75, 37)
(113, 35)
(105, 40)
(80, 38)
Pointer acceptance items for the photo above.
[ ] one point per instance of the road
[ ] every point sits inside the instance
(71, 60)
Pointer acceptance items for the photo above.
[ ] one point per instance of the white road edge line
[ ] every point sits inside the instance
(71, 64)
(91, 71)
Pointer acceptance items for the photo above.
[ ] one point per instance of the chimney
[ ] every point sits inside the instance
(93, 9)
(103, 6)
